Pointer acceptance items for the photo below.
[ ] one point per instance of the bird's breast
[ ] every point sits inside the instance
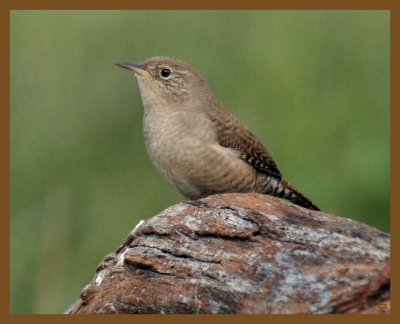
(177, 145)
(175, 137)
(184, 148)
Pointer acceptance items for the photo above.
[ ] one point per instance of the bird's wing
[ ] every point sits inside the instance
(233, 134)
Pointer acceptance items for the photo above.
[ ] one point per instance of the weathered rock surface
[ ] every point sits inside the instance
(243, 253)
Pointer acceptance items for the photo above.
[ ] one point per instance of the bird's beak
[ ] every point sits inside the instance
(133, 67)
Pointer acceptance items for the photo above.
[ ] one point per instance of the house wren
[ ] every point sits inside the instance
(196, 144)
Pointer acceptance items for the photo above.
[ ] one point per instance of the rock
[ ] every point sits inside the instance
(243, 253)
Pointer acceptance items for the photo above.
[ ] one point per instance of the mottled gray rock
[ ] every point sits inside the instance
(243, 253)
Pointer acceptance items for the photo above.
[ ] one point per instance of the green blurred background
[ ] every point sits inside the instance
(312, 85)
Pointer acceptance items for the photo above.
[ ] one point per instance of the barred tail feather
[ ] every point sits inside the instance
(292, 194)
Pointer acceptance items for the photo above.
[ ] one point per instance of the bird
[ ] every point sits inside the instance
(196, 143)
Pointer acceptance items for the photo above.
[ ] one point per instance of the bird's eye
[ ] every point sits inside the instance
(165, 73)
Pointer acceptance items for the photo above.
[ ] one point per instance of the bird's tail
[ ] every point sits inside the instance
(292, 194)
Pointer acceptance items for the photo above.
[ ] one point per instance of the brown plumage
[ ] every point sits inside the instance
(199, 146)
